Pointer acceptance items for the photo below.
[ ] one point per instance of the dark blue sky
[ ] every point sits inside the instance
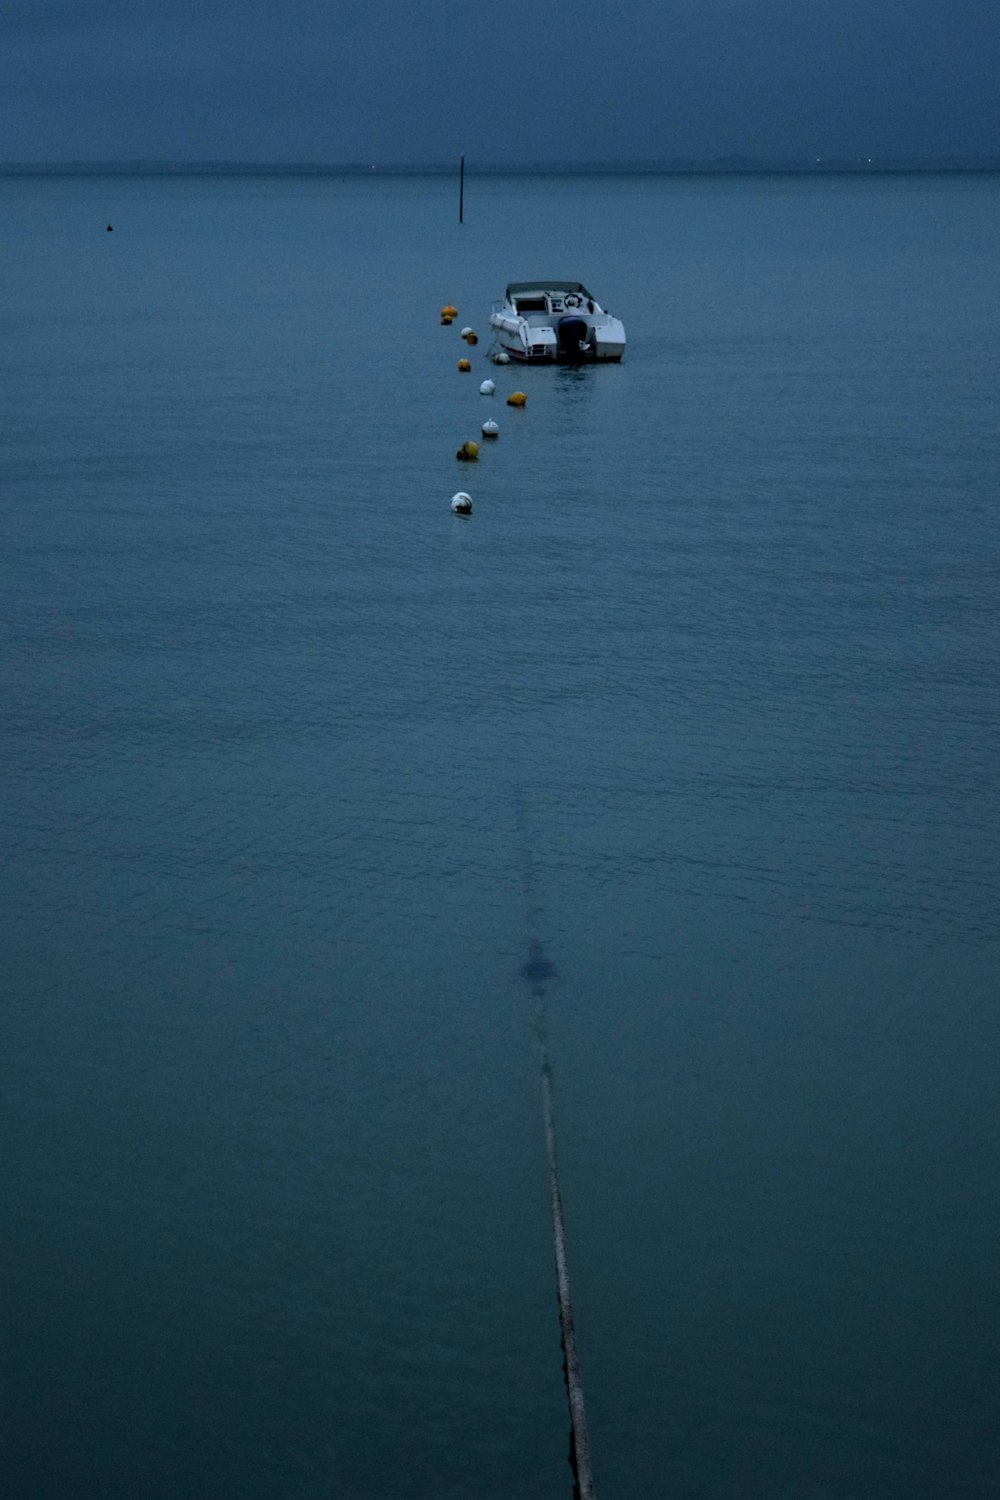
(365, 80)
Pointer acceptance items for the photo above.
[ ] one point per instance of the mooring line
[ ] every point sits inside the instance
(536, 972)
(580, 1459)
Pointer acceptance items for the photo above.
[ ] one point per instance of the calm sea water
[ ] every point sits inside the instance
(715, 655)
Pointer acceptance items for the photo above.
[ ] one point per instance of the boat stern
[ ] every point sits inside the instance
(609, 340)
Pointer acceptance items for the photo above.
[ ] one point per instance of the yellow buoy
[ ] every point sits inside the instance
(517, 398)
(445, 321)
(449, 311)
(472, 338)
(468, 453)
(464, 365)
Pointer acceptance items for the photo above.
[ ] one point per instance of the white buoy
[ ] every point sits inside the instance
(490, 429)
(487, 388)
(466, 332)
(461, 504)
(501, 357)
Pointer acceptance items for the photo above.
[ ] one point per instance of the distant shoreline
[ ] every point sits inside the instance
(725, 166)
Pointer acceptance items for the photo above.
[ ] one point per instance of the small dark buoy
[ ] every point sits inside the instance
(538, 969)
(109, 228)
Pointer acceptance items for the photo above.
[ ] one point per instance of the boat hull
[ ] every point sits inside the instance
(541, 346)
(612, 354)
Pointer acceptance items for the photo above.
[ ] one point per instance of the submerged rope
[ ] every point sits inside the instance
(536, 972)
(580, 1444)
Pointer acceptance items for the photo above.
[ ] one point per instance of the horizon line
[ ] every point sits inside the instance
(951, 162)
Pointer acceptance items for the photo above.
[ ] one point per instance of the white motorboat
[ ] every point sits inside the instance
(556, 320)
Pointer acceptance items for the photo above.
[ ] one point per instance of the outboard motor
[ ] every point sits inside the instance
(571, 333)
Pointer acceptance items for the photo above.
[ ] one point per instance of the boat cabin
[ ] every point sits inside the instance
(541, 301)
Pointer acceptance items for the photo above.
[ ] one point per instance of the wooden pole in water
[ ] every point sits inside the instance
(461, 191)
